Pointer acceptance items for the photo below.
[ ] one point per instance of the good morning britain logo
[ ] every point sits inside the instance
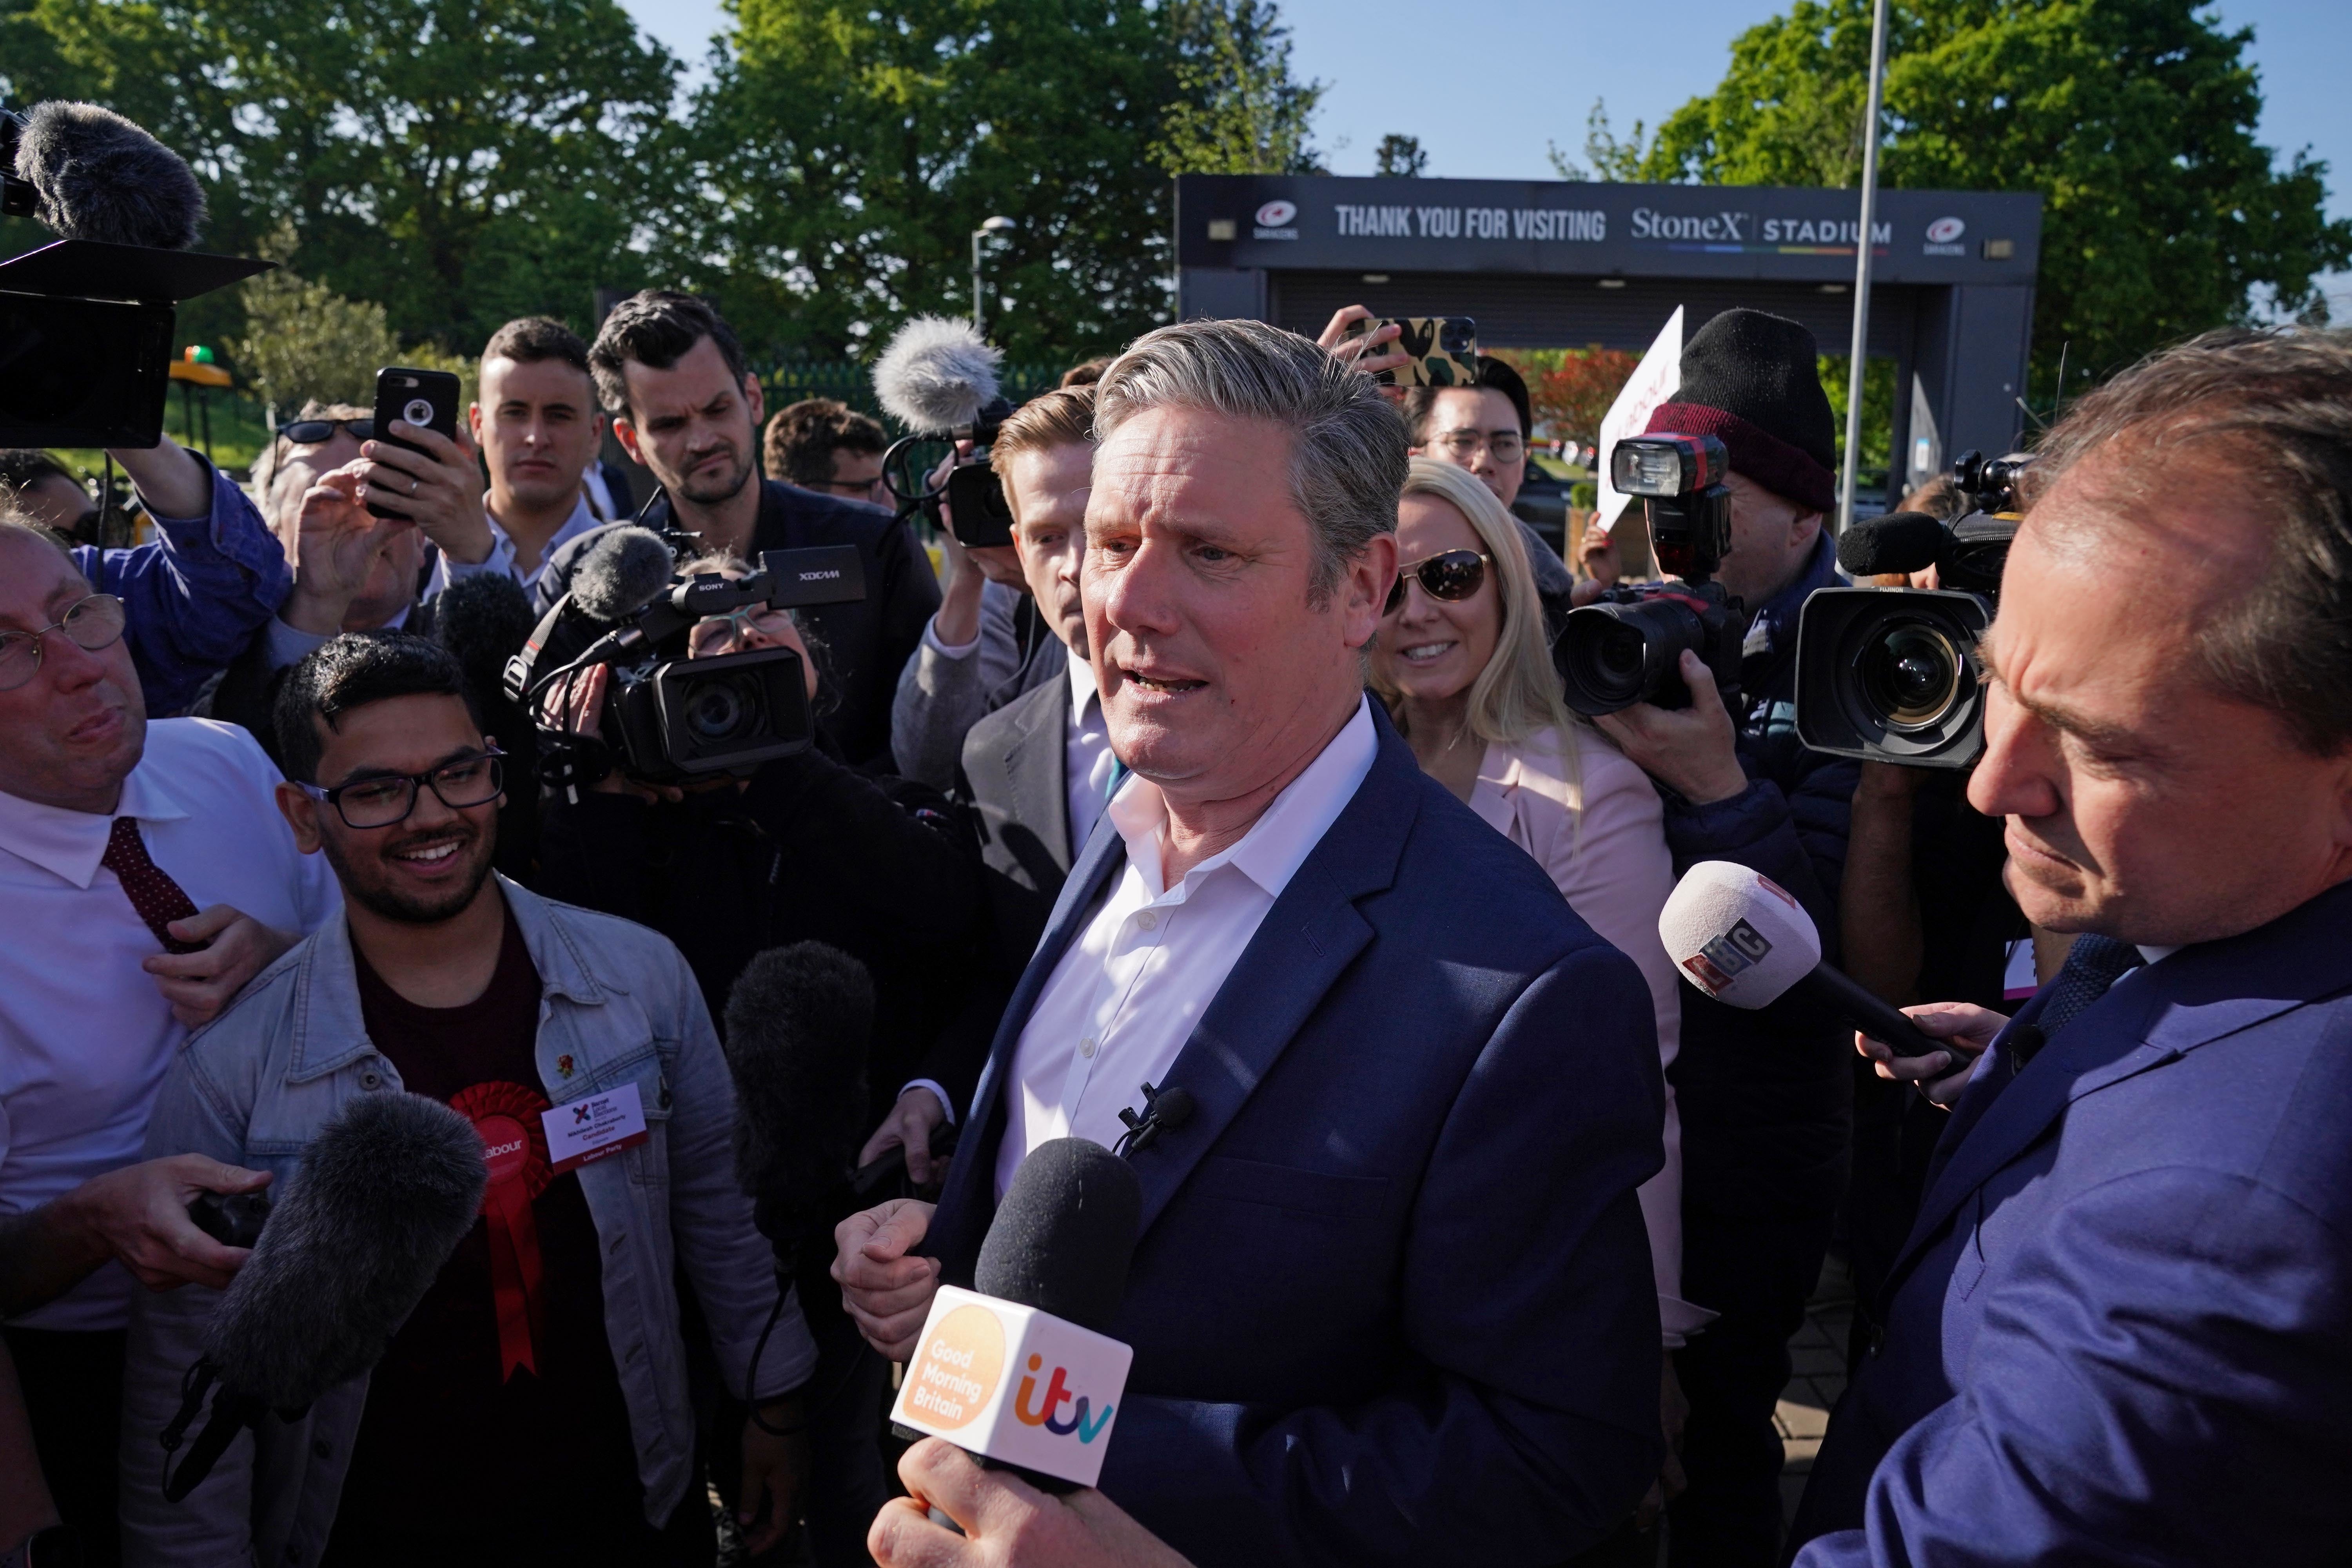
(961, 1367)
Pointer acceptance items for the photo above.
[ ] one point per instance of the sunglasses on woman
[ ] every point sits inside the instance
(1452, 575)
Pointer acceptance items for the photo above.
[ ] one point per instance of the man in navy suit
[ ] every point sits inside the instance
(1391, 1302)
(2121, 1330)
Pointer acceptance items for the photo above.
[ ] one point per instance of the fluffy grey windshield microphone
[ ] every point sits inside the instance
(95, 175)
(937, 375)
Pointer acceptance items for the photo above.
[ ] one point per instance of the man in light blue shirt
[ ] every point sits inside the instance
(538, 425)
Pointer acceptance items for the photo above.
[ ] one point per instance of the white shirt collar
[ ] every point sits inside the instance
(581, 520)
(70, 844)
(2159, 954)
(1082, 690)
(1279, 841)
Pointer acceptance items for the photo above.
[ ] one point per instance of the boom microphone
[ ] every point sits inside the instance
(937, 375)
(1019, 1370)
(1743, 940)
(386, 1192)
(799, 1021)
(621, 573)
(95, 175)
(1904, 541)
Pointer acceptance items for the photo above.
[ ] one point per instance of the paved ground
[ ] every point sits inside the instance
(1818, 1353)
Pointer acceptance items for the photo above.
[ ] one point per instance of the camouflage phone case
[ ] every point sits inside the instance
(1445, 350)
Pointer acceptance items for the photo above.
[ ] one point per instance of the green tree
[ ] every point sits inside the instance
(1238, 110)
(1606, 157)
(1400, 157)
(459, 162)
(2135, 120)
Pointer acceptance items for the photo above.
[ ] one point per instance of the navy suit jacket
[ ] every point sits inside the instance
(1391, 1300)
(2121, 1331)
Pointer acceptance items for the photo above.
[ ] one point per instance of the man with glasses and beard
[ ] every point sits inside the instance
(543, 1375)
(145, 878)
(672, 376)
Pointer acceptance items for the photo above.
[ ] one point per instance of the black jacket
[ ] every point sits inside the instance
(863, 644)
(809, 850)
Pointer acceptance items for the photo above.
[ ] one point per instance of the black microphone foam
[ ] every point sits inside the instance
(799, 1021)
(1900, 542)
(483, 620)
(1064, 1233)
(95, 175)
(621, 573)
(386, 1192)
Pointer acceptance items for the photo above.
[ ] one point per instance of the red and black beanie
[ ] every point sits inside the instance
(1752, 381)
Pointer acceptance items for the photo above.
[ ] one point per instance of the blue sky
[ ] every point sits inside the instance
(1488, 85)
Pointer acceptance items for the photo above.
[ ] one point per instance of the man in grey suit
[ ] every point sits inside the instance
(1037, 764)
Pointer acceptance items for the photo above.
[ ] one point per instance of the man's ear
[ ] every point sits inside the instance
(1804, 530)
(1365, 588)
(757, 396)
(301, 814)
(474, 421)
(625, 434)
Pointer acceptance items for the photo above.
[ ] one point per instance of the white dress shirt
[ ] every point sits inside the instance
(1086, 759)
(84, 1034)
(1128, 991)
(501, 557)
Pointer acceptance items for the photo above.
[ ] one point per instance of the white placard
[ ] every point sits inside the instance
(1656, 380)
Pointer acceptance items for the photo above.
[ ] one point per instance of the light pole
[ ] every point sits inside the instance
(1854, 367)
(991, 228)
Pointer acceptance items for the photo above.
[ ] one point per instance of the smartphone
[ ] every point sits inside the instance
(977, 506)
(426, 398)
(1445, 348)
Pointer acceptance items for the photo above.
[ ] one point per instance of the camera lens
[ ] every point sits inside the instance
(721, 710)
(1911, 675)
(1613, 656)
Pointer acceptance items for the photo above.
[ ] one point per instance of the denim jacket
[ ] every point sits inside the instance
(618, 1004)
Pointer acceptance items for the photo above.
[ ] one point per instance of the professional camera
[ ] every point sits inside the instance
(668, 717)
(87, 323)
(1889, 674)
(938, 378)
(1627, 648)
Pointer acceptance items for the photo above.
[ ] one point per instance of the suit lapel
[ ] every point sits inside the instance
(1036, 765)
(2192, 999)
(1300, 950)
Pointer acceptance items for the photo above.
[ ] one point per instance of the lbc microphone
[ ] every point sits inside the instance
(384, 1194)
(1743, 940)
(1018, 1370)
(1904, 541)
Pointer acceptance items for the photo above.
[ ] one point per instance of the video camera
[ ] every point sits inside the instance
(669, 718)
(1889, 674)
(1627, 646)
(938, 378)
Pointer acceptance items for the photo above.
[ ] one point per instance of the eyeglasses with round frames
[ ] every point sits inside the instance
(90, 624)
(385, 800)
(1452, 575)
(1465, 445)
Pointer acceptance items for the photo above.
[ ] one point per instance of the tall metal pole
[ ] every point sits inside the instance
(1858, 360)
(977, 235)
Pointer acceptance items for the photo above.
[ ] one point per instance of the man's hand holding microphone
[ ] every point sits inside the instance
(1001, 1521)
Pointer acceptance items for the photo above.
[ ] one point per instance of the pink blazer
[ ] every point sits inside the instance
(1610, 860)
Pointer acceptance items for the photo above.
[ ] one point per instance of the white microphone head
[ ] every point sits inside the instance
(937, 375)
(1738, 935)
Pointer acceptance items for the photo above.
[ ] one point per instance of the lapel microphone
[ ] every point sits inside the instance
(1165, 1110)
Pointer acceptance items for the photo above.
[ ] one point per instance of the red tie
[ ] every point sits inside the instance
(157, 897)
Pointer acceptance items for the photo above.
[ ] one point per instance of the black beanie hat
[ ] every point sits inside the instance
(1752, 380)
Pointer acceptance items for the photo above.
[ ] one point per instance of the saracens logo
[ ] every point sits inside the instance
(1945, 230)
(1276, 220)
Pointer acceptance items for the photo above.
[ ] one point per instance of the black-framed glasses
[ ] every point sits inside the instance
(1451, 574)
(1464, 445)
(311, 432)
(89, 625)
(384, 800)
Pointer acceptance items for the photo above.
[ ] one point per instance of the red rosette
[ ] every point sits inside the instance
(505, 1117)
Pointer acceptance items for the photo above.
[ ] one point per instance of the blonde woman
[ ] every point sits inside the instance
(1460, 662)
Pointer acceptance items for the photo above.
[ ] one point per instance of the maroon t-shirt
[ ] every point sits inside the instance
(454, 1452)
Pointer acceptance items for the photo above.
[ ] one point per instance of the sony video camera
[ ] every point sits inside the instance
(1889, 674)
(1627, 646)
(669, 718)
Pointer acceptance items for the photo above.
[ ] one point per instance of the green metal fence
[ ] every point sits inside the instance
(851, 382)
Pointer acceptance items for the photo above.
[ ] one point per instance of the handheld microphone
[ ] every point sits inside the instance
(938, 376)
(1018, 1370)
(1743, 940)
(384, 1194)
(1904, 541)
(799, 1021)
(95, 175)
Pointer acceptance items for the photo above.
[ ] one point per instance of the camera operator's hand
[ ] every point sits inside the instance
(1002, 1522)
(909, 1126)
(1690, 750)
(955, 623)
(574, 705)
(236, 948)
(336, 543)
(439, 488)
(1965, 1031)
(1597, 558)
(138, 1215)
(1360, 351)
(885, 1288)
(775, 1471)
(170, 480)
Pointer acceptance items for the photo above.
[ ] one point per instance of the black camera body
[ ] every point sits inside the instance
(1890, 675)
(973, 490)
(668, 719)
(1626, 648)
